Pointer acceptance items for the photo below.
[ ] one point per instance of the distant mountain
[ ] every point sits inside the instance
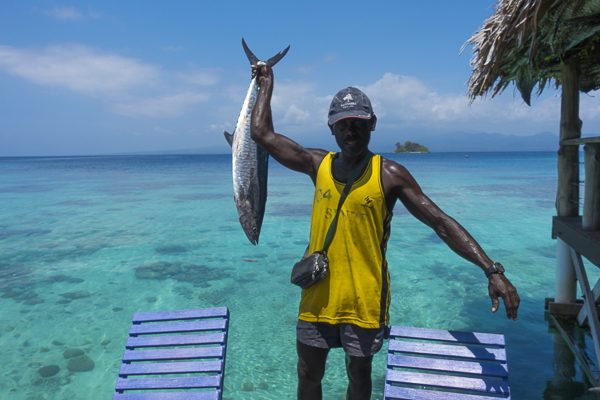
(436, 142)
(410, 147)
(460, 141)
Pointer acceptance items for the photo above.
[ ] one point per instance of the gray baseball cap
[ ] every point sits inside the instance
(349, 103)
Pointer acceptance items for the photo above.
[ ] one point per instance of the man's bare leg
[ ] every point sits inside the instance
(311, 368)
(359, 377)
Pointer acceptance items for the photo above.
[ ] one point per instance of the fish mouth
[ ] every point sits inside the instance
(252, 235)
(249, 226)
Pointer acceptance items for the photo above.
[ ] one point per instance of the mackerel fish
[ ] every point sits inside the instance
(249, 160)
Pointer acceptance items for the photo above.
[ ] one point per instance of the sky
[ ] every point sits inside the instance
(112, 77)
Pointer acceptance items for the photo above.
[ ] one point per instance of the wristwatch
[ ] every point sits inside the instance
(495, 268)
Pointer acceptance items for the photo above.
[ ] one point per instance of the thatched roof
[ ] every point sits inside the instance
(525, 42)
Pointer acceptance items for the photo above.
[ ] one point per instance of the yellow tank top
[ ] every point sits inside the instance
(356, 291)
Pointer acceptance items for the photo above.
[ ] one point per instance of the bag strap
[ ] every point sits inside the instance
(351, 179)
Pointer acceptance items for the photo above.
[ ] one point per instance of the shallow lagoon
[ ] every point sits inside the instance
(87, 241)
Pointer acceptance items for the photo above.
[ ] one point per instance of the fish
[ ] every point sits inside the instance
(249, 161)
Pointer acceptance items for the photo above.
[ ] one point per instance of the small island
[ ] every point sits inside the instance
(410, 147)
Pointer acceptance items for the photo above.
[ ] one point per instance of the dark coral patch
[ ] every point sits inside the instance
(48, 371)
(171, 249)
(80, 363)
(196, 274)
(76, 295)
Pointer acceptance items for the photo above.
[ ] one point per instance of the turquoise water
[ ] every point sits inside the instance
(79, 236)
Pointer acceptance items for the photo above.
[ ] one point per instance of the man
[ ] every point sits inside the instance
(349, 308)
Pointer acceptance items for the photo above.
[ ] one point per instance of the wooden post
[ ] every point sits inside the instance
(567, 197)
(591, 202)
(564, 362)
(567, 202)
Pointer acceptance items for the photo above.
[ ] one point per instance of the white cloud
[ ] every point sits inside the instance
(65, 13)
(304, 69)
(68, 13)
(134, 88)
(221, 127)
(295, 114)
(296, 103)
(403, 100)
(128, 87)
(200, 77)
(172, 105)
(77, 68)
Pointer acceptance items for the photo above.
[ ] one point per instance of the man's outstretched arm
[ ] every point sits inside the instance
(404, 187)
(282, 148)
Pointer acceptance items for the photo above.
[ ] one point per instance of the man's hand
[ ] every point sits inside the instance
(262, 72)
(500, 286)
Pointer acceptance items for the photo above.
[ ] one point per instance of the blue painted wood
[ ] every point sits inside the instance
(482, 384)
(171, 336)
(429, 364)
(180, 314)
(183, 382)
(406, 393)
(472, 352)
(173, 354)
(174, 327)
(170, 367)
(175, 340)
(447, 336)
(435, 364)
(187, 395)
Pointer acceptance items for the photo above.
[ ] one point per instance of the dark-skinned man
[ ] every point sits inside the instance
(349, 308)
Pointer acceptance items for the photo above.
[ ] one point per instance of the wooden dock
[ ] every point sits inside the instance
(561, 320)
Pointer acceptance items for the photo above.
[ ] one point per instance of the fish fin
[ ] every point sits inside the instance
(270, 62)
(228, 137)
(251, 57)
(275, 59)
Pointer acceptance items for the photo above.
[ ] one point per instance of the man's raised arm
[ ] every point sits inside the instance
(282, 148)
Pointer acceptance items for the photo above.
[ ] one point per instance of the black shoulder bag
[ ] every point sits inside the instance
(315, 267)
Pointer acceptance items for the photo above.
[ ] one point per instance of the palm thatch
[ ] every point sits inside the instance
(526, 41)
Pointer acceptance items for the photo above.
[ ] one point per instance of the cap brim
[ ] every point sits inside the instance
(349, 114)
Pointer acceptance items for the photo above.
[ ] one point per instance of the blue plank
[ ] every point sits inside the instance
(205, 395)
(174, 327)
(186, 382)
(435, 364)
(180, 314)
(486, 385)
(151, 332)
(175, 340)
(170, 368)
(173, 354)
(448, 336)
(470, 352)
(405, 393)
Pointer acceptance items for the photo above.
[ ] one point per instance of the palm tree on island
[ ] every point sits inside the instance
(410, 147)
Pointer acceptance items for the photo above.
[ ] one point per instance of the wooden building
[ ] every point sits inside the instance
(535, 43)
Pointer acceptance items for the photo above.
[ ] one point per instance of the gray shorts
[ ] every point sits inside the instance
(356, 341)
